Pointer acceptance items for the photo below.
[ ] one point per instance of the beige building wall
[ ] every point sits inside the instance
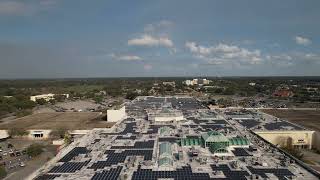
(39, 134)
(298, 138)
(4, 134)
(116, 115)
(316, 140)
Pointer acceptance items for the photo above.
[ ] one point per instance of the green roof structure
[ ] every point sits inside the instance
(165, 154)
(213, 136)
(165, 161)
(165, 149)
(164, 130)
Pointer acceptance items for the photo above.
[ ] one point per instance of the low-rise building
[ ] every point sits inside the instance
(46, 97)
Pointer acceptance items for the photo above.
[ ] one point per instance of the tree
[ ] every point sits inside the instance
(59, 97)
(58, 133)
(98, 99)
(34, 150)
(3, 172)
(17, 132)
(41, 101)
(23, 113)
(67, 139)
(131, 95)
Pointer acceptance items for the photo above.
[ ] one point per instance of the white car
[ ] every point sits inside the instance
(22, 164)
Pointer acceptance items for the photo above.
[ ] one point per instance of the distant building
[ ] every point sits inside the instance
(169, 83)
(46, 97)
(8, 97)
(165, 115)
(252, 84)
(197, 82)
(116, 115)
(282, 93)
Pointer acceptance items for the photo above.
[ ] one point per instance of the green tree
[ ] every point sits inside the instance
(41, 101)
(59, 97)
(34, 150)
(3, 172)
(17, 132)
(131, 95)
(59, 133)
(23, 113)
(67, 139)
(98, 99)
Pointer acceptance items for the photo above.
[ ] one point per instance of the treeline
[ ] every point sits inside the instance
(19, 104)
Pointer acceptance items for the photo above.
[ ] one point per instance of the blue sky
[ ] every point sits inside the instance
(69, 38)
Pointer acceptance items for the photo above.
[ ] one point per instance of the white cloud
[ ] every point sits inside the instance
(223, 53)
(159, 26)
(126, 57)
(18, 8)
(148, 40)
(302, 40)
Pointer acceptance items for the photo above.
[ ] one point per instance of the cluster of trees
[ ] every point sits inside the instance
(16, 104)
(14, 132)
(34, 150)
(3, 172)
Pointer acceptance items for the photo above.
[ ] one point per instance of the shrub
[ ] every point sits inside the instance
(58, 133)
(34, 150)
(17, 132)
(3, 172)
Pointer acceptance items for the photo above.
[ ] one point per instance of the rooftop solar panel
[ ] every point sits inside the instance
(73, 153)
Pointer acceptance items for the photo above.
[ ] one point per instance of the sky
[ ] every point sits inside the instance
(143, 38)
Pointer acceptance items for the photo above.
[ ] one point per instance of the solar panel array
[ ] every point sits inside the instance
(184, 173)
(126, 137)
(240, 152)
(281, 125)
(137, 145)
(280, 173)
(47, 176)
(230, 174)
(249, 123)
(153, 129)
(68, 167)
(73, 153)
(116, 158)
(95, 141)
(111, 174)
(169, 139)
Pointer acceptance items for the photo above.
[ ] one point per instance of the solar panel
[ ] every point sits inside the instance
(230, 174)
(137, 145)
(68, 167)
(168, 139)
(47, 176)
(249, 123)
(116, 158)
(73, 153)
(281, 125)
(240, 152)
(111, 174)
(126, 137)
(181, 173)
(280, 173)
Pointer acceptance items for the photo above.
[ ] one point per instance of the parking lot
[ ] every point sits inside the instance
(15, 160)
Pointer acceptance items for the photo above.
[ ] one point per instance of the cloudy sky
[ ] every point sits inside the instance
(111, 38)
